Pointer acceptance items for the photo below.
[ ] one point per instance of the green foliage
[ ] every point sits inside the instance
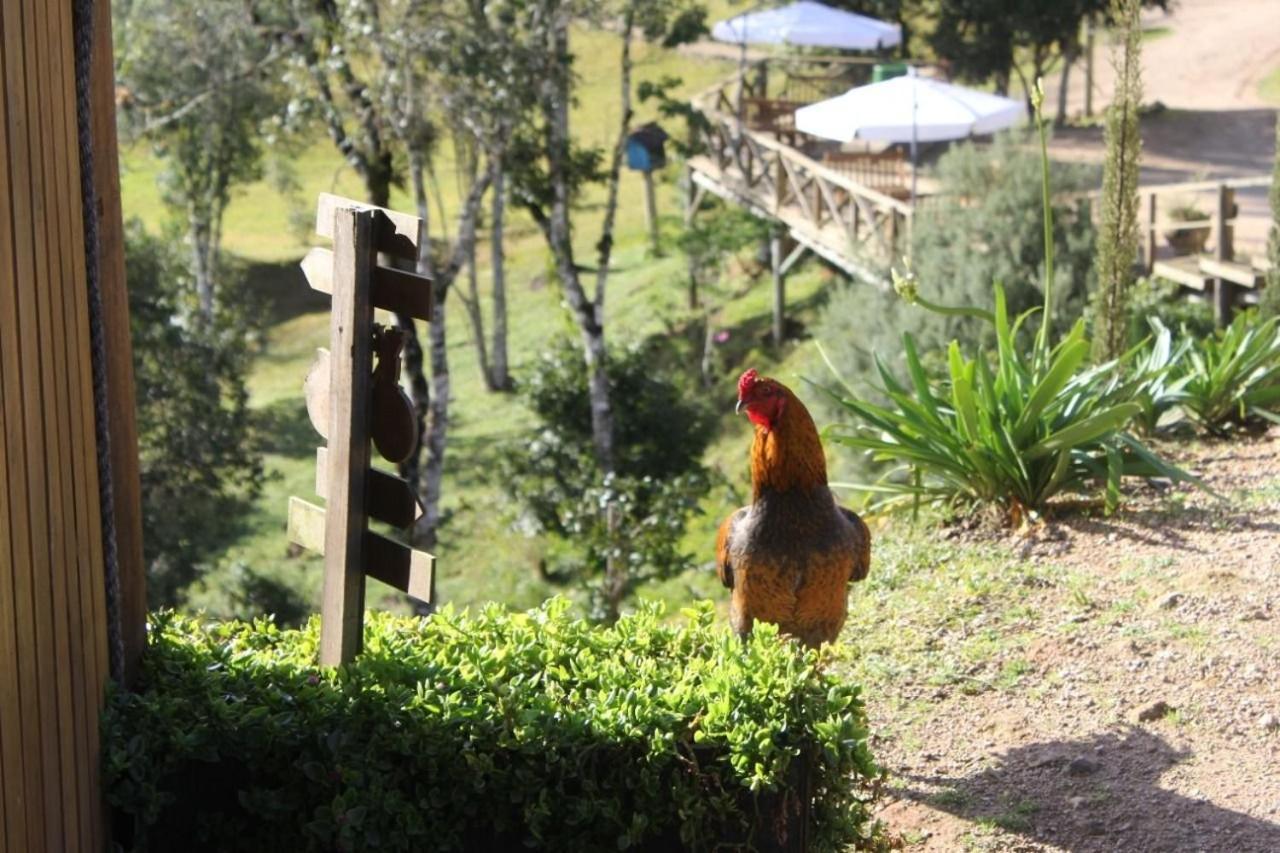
(1118, 236)
(1164, 301)
(1013, 432)
(1271, 293)
(488, 731)
(993, 231)
(660, 430)
(1156, 384)
(715, 236)
(1232, 377)
(199, 463)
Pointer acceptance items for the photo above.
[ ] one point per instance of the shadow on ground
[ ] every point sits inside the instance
(1097, 794)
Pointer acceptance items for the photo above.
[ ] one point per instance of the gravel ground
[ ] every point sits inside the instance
(1148, 718)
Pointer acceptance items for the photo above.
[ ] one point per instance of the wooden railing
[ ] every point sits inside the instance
(851, 224)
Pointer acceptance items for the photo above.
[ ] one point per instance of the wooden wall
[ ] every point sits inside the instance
(53, 635)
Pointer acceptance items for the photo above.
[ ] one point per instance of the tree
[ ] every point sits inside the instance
(610, 532)
(198, 89)
(362, 68)
(550, 186)
(198, 459)
(1118, 237)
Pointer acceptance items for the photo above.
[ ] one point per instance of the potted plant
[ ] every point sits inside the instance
(1184, 240)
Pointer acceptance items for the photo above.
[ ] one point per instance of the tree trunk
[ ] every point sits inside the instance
(587, 313)
(419, 391)
(437, 428)
(202, 261)
(1068, 59)
(475, 312)
(500, 375)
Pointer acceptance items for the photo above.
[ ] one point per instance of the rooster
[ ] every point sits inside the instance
(788, 557)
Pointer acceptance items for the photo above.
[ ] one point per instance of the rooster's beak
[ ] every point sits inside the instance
(738, 408)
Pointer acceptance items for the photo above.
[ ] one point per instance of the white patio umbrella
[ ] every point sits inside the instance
(909, 109)
(808, 24)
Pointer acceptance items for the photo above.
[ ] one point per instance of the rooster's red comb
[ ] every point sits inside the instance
(746, 382)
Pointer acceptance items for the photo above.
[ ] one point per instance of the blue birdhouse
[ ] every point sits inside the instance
(646, 151)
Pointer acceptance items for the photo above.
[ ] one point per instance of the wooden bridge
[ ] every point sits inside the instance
(852, 209)
(819, 207)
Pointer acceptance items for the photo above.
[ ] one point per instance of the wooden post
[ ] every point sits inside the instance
(651, 213)
(779, 287)
(1223, 290)
(351, 365)
(352, 405)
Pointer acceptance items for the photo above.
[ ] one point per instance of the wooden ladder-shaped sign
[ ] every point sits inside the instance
(351, 405)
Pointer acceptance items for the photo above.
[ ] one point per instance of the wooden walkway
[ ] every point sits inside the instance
(854, 227)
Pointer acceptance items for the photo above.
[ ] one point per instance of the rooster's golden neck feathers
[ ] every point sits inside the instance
(786, 453)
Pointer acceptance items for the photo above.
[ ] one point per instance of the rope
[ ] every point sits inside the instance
(83, 24)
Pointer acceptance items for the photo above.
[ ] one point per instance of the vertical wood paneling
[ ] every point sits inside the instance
(14, 830)
(26, 497)
(53, 657)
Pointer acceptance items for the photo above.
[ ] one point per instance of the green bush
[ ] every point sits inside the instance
(1232, 377)
(488, 731)
(985, 226)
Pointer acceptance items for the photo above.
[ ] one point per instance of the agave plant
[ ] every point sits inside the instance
(1013, 431)
(1233, 376)
(1157, 379)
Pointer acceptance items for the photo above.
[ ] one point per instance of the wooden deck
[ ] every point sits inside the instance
(855, 227)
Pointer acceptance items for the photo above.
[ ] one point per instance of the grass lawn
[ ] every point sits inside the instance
(480, 556)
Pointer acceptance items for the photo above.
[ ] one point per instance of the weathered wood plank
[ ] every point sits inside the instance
(44, 62)
(85, 573)
(1184, 271)
(1236, 273)
(351, 366)
(12, 544)
(44, 816)
(397, 565)
(394, 290)
(389, 499)
(395, 233)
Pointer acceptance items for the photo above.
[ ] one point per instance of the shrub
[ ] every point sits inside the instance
(618, 531)
(199, 462)
(1232, 378)
(1156, 383)
(488, 731)
(985, 227)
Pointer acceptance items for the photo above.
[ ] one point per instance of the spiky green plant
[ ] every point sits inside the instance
(1118, 239)
(1233, 376)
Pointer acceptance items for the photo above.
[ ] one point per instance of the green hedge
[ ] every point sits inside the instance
(494, 730)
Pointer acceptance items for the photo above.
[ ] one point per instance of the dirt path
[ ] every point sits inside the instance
(1204, 67)
(1146, 711)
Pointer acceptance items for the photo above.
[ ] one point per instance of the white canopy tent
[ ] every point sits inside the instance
(808, 24)
(909, 109)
